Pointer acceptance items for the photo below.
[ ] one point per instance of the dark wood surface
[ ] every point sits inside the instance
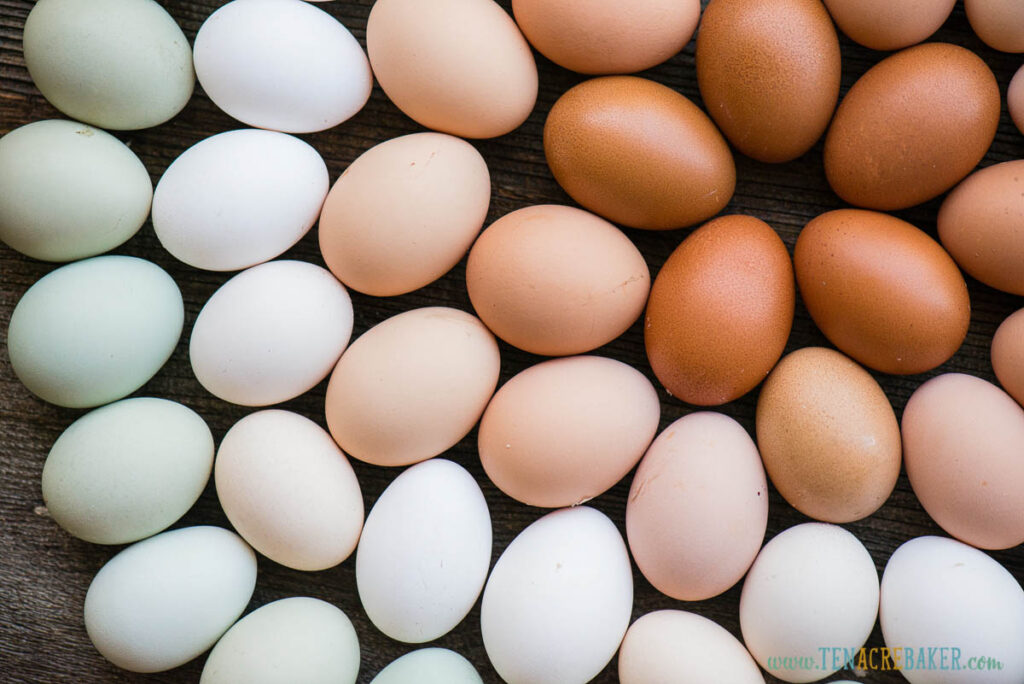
(44, 572)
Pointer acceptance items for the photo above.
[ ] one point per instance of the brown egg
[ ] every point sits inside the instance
(1008, 355)
(912, 127)
(962, 441)
(889, 25)
(556, 280)
(607, 36)
(981, 224)
(1000, 23)
(768, 72)
(638, 153)
(881, 290)
(720, 311)
(1015, 99)
(828, 436)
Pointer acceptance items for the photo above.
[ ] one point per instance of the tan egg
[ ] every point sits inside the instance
(981, 224)
(556, 280)
(1015, 99)
(768, 72)
(412, 386)
(1008, 355)
(404, 213)
(828, 436)
(638, 153)
(888, 25)
(1000, 23)
(889, 144)
(720, 311)
(881, 290)
(607, 36)
(457, 66)
(698, 507)
(962, 441)
(563, 431)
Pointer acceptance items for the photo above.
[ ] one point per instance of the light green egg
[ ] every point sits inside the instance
(69, 191)
(119, 64)
(429, 666)
(95, 330)
(127, 470)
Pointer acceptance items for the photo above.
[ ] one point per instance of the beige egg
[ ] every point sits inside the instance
(888, 25)
(563, 431)
(1008, 355)
(1000, 23)
(1015, 99)
(556, 280)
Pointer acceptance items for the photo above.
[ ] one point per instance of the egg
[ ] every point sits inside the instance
(556, 280)
(119, 64)
(457, 66)
(881, 290)
(1000, 23)
(885, 25)
(812, 588)
(962, 441)
(828, 436)
(607, 37)
(429, 666)
(424, 553)
(239, 198)
(94, 331)
(412, 386)
(638, 153)
(685, 648)
(281, 64)
(561, 432)
(952, 612)
(698, 507)
(127, 470)
(1008, 355)
(887, 146)
(720, 311)
(1015, 99)
(69, 191)
(289, 490)
(980, 225)
(404, 213)
(164, 600)
(558, 601)
(768, 72)
(296, 639)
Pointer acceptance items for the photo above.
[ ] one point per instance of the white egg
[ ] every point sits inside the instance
(239, 198)
(951, 614)
(271, 333)
(424, 552)
(164, 600)
(281, 64)
(559, 599)
(429, 666)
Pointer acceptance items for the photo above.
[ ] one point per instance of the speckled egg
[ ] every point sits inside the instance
(887, 25)
(1008, 355)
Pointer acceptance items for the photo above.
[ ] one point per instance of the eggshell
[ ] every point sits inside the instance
(164, 600)
(813, 587)
(120, 64)
(94, 331)
(607, 37)
(1015, 99)
(638, 153)
(768, 72)
(412, 386)
(940, 594)
(556, 280)
(289, 490)
(981, 224)
(69, 191)
(558, 601)
(295, 639)
(886, 25)
(270, 333)
(424, 553)
(685, 648)
(698, 507)
(281, 64)
(127, 470)
(457, 66)
(828, 436)
(563, 431)
(888, 145)
(881, 290)
(429, 666)
(404, 213)
(1000, 23)
(962, 441)
(239, 198)
(1008, 355)
(720, 311)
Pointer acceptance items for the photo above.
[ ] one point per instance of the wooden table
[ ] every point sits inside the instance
(44, 572)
